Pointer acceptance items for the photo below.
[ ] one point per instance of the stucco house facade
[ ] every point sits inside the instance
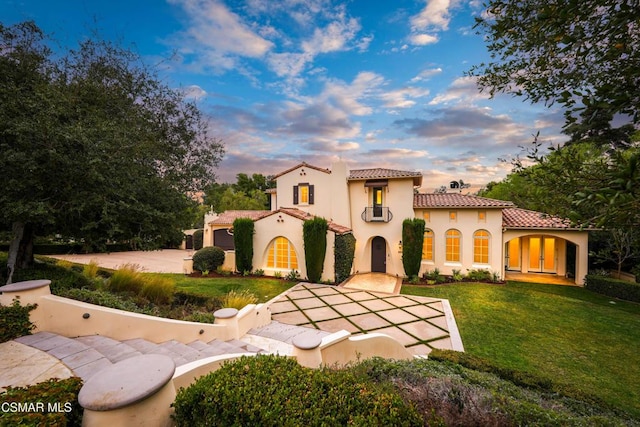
(462, 232)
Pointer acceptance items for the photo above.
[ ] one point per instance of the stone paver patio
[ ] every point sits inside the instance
(419, 323)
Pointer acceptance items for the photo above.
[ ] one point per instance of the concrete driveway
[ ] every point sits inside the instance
(162, 261)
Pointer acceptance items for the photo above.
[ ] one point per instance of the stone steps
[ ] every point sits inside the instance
(87, 355)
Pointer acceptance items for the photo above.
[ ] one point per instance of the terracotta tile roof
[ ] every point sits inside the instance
(379, 173)
(456, 200)
(523, 218)
(297, 213)
(227, 217)
(303, 164)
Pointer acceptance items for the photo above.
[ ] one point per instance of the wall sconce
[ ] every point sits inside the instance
(280, 219)
(400, 246)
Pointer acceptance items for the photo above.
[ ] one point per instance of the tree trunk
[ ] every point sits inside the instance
(20, 249)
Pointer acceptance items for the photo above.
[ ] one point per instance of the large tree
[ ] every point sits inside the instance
(94, 146)
(582, 54)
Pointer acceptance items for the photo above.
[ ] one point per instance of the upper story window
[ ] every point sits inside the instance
(303, 194)
(453, 238)
(427, 246)
(482, 216)
(453, 216)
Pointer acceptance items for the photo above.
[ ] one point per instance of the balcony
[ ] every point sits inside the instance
(376, 214)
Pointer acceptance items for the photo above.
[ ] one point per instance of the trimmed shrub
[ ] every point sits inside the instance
(198, 238)
(344, 250)
(314, 233)
(14, 320)
(412, 238)
(613, 287)
(208, 259)
(243, 230)
(275, 390)
(59, 400)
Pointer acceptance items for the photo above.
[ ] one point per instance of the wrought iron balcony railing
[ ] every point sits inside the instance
(376, 214)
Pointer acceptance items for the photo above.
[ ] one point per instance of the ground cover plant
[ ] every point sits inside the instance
(564, 333)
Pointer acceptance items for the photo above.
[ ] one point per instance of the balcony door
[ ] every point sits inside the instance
(377, 202)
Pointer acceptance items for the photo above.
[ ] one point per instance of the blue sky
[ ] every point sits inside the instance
(374, 83)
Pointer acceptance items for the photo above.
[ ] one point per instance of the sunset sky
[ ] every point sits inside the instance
(375, 83)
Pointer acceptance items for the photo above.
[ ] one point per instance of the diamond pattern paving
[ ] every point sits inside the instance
(419, 323)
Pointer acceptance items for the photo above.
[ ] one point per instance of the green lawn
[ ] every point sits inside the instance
(568, 334)
(262, 287)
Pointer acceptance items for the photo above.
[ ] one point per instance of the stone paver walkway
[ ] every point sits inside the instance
(419, 323)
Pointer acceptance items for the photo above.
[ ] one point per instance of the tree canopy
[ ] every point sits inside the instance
(94, 146)
(582, 54)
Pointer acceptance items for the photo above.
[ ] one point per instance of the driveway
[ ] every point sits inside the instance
(162, 261)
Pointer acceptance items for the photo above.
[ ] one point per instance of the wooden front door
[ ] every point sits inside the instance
(378, 255)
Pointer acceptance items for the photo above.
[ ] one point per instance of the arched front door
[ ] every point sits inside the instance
(378, 255)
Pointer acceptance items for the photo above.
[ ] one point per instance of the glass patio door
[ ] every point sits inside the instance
(542, 254)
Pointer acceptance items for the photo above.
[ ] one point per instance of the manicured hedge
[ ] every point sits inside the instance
(613, 287)
(412, 239)
(344, 249)
(198, 237)
(277, 391)
(314, 233)
(208, 259)
(243, 230)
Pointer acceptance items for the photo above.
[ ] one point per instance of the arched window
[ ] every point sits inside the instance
(453, 246)
(427, 245)
(282, 254)
(481, 247)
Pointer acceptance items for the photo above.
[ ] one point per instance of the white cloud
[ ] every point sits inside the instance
(194, 92)
(334, 37)
(426, 74)
(434, 16)
(216, 36)
(463, 89)
(423, 39)
(403, 98)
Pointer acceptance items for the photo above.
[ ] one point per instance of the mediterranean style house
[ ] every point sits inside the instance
(462, 232)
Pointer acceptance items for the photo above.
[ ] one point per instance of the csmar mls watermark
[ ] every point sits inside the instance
(46, 407)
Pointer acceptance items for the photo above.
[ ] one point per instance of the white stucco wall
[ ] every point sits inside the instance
(281, 224)
(322, 188)
(467, 223)
(398, 197)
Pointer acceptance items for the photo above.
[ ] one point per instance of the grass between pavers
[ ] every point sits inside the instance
(568, 334)
(262, 287)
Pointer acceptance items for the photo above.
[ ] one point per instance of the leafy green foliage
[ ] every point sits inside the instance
(613, 287)
(59, 399)
(412, 239)
(314, 232)
(112, 152)
(275, 391)
(538, 50)
(14, 320)
(209, 258)
(243, 230)
(344, 250)
(292, 276)
(248, 192)
(198, 237)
